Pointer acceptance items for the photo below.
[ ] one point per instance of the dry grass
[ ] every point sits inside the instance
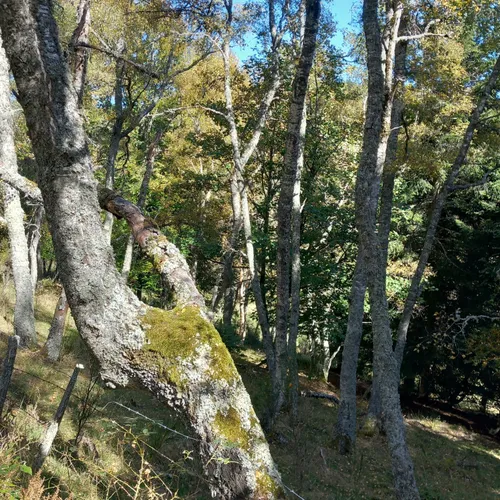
(134, 458)
(125, 456)
(450, 461)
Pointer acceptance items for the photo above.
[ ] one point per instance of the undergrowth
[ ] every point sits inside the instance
(105, 451)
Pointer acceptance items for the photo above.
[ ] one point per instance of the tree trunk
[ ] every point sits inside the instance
(34, 235)
(227, 275)
(56, 332)
(177, 354)
(79, 54)
(386, 201)
(78, 62)
(116, 134)
(24, 316)
(239, 196)
(376, 133)
(346, 420)
(143, 193)
(243, 305)
(289, 213)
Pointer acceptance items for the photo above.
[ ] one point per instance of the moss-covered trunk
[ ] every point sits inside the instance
(177, 355)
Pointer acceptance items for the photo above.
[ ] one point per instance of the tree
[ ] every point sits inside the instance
(79, 62)
(24, 315)
(241, 155)
(185, 362)
(289, 207)
(381, 100)
(143, 192)
(376, 134)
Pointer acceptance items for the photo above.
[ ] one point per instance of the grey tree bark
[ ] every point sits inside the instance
(288, 251)
(386, 199)
(56, 331)
(243, 304)
(380, 57)
(24, 315)
(78, 62)
(177, 355)
(80, 54)
(346, 421)
(34, 234)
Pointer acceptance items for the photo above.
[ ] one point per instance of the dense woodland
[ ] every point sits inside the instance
(196, 180)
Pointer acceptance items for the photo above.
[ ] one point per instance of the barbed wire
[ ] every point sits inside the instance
(103, 408)
(163, 426)
(40, 378)
(145, 417)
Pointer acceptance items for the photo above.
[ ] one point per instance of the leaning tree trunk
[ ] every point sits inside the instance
(177, 354)
(34, 235)
(78, 61)
(56, 331)
(24, 316)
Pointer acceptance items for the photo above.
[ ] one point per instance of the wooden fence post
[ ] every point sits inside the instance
(8, 367)
(53, 427)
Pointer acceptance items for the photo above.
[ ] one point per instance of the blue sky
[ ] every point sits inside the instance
(343, 12)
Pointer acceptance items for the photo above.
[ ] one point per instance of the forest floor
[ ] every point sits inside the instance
(126, 453)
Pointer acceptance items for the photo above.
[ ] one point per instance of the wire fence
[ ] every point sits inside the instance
(18, 404)
(52, 426)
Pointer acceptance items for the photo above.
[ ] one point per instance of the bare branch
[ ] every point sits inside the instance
(425, 33)
(485, 179)
(116, 55)
(211, 110)
(144, 69)
(192, 65)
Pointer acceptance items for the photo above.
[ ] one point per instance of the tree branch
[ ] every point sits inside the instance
(425, 33)
(116, 55)
(485, 179)
(168, 260)
(140, 67)
(22, 184)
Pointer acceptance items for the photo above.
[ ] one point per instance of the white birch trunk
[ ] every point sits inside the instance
(24, 317)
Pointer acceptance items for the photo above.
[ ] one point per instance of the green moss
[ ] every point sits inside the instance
(370, 428)
(174, 336)
(267, 487)
(229, 426)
